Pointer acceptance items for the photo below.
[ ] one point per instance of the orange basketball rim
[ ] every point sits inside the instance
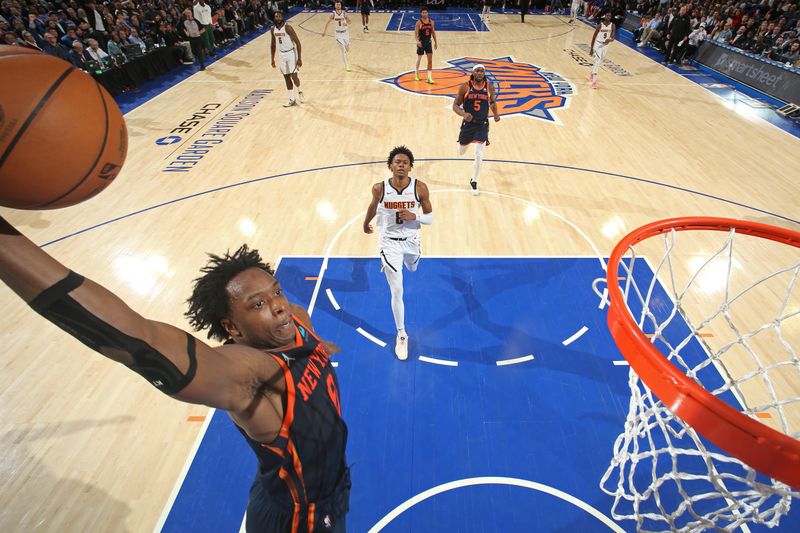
(759, 446)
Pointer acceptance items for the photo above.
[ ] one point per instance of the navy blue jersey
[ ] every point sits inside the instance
(476, 101)
(305, 463)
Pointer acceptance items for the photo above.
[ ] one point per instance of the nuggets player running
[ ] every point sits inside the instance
(289, 56)
(423, 33)
(472, 104)
(397, 202)
(607, 31)
(341, 24)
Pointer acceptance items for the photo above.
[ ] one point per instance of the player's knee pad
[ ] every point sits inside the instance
(57, 306)
(411, 263)
(462, 149)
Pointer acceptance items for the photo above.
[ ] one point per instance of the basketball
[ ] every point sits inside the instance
(62, 136)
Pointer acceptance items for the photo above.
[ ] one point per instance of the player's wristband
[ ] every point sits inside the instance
(425, 218)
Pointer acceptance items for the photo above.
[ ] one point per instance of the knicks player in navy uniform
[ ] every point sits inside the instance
(472, 104)
(401, 204)
(423, 33)
(273, 375)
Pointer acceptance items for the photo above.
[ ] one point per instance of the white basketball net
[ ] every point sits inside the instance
(663, 474)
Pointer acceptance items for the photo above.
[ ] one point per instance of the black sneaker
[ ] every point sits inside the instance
(474, 185)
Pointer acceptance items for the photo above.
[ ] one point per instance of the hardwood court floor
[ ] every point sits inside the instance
(89, 446)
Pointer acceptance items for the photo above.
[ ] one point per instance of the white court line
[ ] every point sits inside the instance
(438, 361)
(575, 337)
(604, 299)
(401, 21)
(334, 303)
(400, 509)
(621, 363)
(469, 16)
(504, 362)
(374, 339)
(179, 482)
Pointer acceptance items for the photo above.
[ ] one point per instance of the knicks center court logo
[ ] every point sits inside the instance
(520, 88)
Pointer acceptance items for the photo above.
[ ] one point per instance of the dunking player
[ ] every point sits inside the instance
(273, 376)
(423, 33)
(364, 5)
(342, 28)
(472, 104)
(397, 202)
(289, 58)
(607, 31)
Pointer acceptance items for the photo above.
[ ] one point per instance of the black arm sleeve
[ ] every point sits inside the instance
(56, 305)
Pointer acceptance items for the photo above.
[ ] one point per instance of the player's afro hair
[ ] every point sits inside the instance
(400, 150)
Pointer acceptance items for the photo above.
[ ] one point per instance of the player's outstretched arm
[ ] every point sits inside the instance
(170, 359)
(594, 37)
(325, 30)
(377, 193)
(416, 34)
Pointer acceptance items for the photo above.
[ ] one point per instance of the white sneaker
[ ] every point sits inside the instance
(474, 185)
(302, 97)
(401, 347)
(290, 103)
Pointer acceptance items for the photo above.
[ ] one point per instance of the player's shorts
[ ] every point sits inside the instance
(343, 38)
(365, 8)
(473, 132)
(600, 52)
(266, 514)
(287, 62)
(426, 48)
(395, 253)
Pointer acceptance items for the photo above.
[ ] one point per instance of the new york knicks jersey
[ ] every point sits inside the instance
(285, 42)
(392, 201)
(425, 30)
(304, 465)
(604, 35)
(476, 101)
(340, 20)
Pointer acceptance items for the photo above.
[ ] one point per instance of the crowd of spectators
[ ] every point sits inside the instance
(96, 36)
(770, 29)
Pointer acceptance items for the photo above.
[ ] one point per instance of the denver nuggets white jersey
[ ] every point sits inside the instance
(389, 225)
(604, 35)
(340, 21)
(285, 42)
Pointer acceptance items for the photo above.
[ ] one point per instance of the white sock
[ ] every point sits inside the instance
(476, 165)
(344, 55)
(291, 94)
(430, 73)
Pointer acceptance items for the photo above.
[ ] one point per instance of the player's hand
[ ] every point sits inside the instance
(419, 44)
(406, 215)
(367, 227)
(435, 46)
(591, 51)
(273, 63)
(468, 117)
(299, 62)
(497, 118)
